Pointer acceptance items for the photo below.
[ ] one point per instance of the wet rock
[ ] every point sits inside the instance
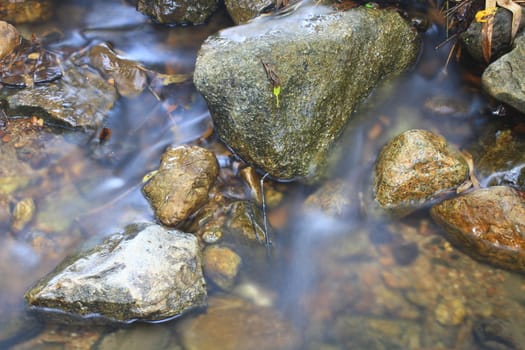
(450, 312)
(10, 39)
(221, 265)
(405, 253)
(81, 99)
(177, 11)
(334, 198)
(499, 158)
(244, 219)
(448, 106)
(504, 78)
(147, 273)
(498, 334)
(181, 184)
(501, 44)
(244, 10)
(139, 337)
(129, 77)
(236, 324)
(284, 112)
(359, 332)
(23, 213)
(487, 224)
(26, 11)
(29, 63)
(415, 167)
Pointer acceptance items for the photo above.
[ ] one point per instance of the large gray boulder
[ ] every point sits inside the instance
(504, 79)
(147, 273)
(324, 62)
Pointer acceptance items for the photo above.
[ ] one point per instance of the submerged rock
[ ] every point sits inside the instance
(488, 224)
(26, 11)
(281, 89)
(236, 324)
(182, 183)
(146, 273)
(178, 11)
(499, 158)
(221, 265)
(414, 168)
(129, 77)
(10, 39)
(504, 79)
(81, 99)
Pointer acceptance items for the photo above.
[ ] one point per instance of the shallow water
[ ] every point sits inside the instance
(349, 283)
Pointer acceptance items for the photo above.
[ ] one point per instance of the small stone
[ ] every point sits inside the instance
(221, 265)
(450, 312)
(244, 10)
(22, 214)
(10, 39)
(182, 183)
(177, 11)
(236, 324)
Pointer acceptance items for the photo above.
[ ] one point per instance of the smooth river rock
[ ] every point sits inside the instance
(504, 79)
(488, 224)
(145, 273)
(281, 88)
(181, 184)
(231, 323)
(415, 167)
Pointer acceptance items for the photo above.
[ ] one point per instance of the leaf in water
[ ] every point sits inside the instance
(149, 175)
(168, 79)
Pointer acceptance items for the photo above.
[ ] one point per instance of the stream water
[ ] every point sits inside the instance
(348, 283)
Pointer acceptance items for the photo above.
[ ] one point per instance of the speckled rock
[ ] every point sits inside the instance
(236, 324)
(178, 11)
(488, 224)
(10, 39)
(281, 89)
(147, 273)
(181, 184)
(26, 11)
(221, 265)
(504, 79)
(243, 10)
(499, 158)
(414, 168)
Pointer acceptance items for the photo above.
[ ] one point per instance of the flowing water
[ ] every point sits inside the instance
(354, 282)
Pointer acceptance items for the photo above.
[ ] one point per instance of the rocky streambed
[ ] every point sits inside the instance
(294, 195)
